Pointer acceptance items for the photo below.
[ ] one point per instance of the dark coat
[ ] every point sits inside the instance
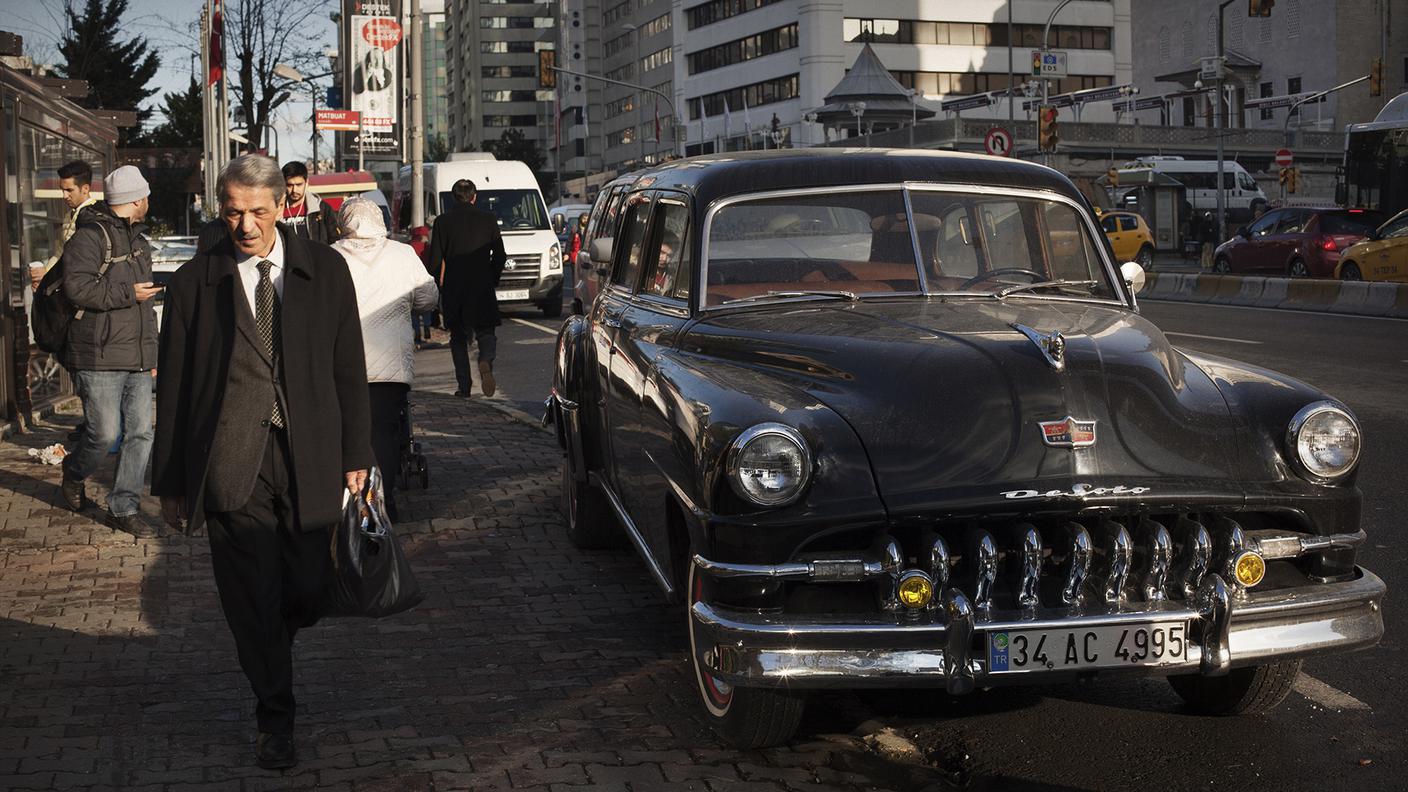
(468, 242)
(319, 225)
(324, 377)
(115, 333)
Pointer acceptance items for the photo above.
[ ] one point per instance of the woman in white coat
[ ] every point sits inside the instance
(391, 282)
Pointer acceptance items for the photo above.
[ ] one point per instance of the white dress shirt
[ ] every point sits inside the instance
(248, 268)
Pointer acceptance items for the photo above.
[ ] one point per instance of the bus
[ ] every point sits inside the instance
(1375, 170)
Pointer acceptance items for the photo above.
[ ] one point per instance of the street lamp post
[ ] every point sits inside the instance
(294, 75)
(1045, 46)
(810, 117)
(913, 113)
(857, 109)
(1219, 124)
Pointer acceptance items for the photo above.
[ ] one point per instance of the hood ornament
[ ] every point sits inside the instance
(1052, 344)
(1068, 433)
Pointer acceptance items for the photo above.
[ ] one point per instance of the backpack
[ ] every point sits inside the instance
(52, 312)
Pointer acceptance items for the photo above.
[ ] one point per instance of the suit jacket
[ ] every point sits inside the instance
(324, 379)
(467, 240)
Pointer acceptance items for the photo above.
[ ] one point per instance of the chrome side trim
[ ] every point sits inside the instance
(820, 569)
(634, 533)
(1273, 544)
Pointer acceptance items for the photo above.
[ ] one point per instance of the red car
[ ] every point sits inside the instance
(1299, 242)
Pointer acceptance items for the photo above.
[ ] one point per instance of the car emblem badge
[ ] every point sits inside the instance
(1052, 344)
(1068, 433)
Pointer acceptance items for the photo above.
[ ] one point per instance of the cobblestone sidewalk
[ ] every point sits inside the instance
(529, 666)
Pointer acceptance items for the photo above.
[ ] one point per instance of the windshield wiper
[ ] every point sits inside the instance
(838, 295)
(1053, 284)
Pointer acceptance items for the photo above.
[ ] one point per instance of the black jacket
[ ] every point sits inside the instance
(115, 333)
(467, 240)
(324, 376)
(319, 225)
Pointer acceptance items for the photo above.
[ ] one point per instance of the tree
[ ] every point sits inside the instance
(263, 34)
(513, 145)
(436, 149)
(183, 126)
(117, 73)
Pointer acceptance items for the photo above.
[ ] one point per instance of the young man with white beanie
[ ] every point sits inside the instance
(111, 347)
(391, 283)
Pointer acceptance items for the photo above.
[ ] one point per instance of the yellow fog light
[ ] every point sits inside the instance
(916, 589)
(1249, 568)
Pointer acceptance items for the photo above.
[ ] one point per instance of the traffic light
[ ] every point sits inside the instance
(1292, 180)
(547, 78)
(1046, 130)
(1259, 8)
(1376, 77)
(1285, 176)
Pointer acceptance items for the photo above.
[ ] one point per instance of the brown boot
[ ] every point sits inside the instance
(486, 377)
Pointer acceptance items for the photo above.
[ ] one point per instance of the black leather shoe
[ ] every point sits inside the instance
(462, 394)
(275, 751)
(74, 492)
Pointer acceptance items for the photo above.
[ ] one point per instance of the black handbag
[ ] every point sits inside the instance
(370, 574)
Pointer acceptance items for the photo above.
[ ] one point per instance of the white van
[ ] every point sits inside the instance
(1199, 177)
(509, 190)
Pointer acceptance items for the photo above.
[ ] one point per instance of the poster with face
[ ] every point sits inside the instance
(373, 41)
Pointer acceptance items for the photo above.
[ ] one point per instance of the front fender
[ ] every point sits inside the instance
(570, 381)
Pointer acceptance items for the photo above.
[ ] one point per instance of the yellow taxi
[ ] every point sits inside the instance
(1383, 256)
(1129, 237)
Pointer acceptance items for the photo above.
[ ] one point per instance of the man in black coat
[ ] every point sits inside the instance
(262, 422)
(467, 252)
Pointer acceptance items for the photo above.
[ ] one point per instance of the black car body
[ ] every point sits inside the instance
(960, 476)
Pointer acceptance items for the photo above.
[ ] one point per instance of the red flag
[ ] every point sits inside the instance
(217, 44)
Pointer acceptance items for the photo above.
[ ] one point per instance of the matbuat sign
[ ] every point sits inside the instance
(372, 77)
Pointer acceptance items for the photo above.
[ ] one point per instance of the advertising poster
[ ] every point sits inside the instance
(373, 43)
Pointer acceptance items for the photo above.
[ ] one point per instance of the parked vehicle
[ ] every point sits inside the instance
(1241, 196)
(889, 418)
(1381, 256)
(509, 190)
(1129, 237)
(1296, 242)
(601, 224)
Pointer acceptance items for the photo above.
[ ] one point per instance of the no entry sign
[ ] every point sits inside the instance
(1283, 158)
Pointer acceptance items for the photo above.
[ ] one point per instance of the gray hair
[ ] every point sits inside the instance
(252, 170)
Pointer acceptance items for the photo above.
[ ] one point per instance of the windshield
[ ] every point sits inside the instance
(861, 243)
(516, 210)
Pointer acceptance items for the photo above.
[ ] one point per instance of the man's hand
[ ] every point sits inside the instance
(356, 480)
(173, 511)
(146, 290)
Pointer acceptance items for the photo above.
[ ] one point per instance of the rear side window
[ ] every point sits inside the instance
(1129, 223)
(1111, 223)
(632, 240)
(594, 223)
(1358, 224)
(1292, 222)
(667, 273)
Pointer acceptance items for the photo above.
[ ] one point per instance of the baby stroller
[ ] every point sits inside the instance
(414, 473)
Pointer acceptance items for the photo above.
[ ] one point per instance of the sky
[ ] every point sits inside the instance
(170, 27)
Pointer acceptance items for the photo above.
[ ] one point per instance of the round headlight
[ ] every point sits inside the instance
(769, 464)
(1323, 440)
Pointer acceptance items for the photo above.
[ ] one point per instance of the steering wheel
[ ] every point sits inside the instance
(990, 274)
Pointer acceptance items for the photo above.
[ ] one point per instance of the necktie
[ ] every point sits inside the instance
(266, 320)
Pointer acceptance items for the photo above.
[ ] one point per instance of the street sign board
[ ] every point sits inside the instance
(1150, 102)
(998, 142)
(1210, 68)
(1048, 63)
(966, 103)
(1283, 158)
(1102, 94)
(1059, 100)
(1271, 102)
(338, 120)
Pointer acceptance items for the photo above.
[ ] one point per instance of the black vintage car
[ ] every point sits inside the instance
(892, 418)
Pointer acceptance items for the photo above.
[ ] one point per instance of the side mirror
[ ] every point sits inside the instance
(1133, 275)
(601, 251)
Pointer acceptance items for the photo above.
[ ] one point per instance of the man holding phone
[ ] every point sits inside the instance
(111, 347)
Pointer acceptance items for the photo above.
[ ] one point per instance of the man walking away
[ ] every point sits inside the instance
(111, 346)
(76, 184)
(262, 421)
(468, 253)
(303, 213)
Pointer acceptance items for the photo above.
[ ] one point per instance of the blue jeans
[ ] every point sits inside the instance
(114, 402)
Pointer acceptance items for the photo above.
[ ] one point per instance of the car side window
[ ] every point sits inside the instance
(1396, 230)
(1292, 222)
(1129, 223)
(1110, 223)
(632, 240)
(667, 271)
(1266, 224)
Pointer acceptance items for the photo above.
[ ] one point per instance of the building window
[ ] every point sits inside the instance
(1293, 19)
(615, 45)
(744, 49)
(656, 26)
(760, 93)
(1267, 89)
(1187, 38)
(625, 72)
(1164, 44)
(970, 34)
(656, 59)
(509, 96)
(514, 22)
(718, 10)
(615, 13)
(623, 105)
(510, 121)
(501, 47)
(492, 72)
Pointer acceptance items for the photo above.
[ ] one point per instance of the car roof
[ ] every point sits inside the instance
(714, 176)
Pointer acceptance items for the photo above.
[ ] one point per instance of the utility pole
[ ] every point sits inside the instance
(1011, 72)
(1219, 124)
(416, 51)
(1046, 45)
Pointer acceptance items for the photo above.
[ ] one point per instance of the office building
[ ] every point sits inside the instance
(435, 101)
(491, 59)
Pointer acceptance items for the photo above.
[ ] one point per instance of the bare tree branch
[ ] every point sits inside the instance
(263, 34)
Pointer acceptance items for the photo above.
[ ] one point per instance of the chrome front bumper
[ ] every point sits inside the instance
(947, 647)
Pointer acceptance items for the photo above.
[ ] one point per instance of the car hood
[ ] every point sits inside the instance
(947, 396)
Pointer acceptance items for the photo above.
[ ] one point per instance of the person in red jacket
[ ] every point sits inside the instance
(422, 322)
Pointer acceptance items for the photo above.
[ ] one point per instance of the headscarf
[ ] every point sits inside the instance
(363, 228)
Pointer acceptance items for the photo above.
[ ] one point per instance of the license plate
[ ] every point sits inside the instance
(513, 294)
(1111, 646)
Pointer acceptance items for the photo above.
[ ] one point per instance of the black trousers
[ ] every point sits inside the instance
(270, 576)
(389, 435)
(460, 324)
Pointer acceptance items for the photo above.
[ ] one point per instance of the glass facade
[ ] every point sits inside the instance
(971, 34)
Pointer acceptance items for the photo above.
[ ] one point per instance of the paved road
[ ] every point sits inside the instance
(523, 369)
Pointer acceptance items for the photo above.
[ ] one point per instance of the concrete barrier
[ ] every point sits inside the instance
(1352, 298)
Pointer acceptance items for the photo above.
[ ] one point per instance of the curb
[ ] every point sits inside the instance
(8, 429)
(1351, 298)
